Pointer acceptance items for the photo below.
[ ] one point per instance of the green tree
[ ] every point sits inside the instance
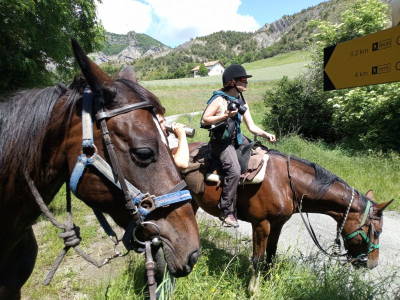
(203, 71)
(365, 117)
(34, 33)
(362, 18)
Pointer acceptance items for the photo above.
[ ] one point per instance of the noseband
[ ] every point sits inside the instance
(368, 216)
(138, 204)
(368, 213)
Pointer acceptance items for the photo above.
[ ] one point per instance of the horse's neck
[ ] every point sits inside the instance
(333, 203)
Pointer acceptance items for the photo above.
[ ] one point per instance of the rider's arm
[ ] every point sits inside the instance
(210, 117)
(181, 154)
(254, 129)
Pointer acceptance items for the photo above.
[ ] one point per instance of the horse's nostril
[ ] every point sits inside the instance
(193, 258)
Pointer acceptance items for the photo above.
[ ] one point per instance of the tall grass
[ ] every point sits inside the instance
(224, 271)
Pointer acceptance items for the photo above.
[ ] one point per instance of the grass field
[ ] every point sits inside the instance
(191, 94)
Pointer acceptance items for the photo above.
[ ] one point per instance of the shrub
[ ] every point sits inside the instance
(369, 117)
(296, 108)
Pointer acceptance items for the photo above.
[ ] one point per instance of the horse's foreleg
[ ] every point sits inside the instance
(260, 238)
(272, 244)
(17, 267)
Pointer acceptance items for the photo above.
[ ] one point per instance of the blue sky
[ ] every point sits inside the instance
(174, 22)
(268, 11)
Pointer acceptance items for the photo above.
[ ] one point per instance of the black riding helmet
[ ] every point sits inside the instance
(234, 71)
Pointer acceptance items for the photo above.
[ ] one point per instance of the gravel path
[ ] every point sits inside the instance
(295, 235)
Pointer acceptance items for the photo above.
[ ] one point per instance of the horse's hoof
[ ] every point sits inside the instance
(254, 284)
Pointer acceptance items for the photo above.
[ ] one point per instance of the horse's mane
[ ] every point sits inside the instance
(24, 128)
(323, 179)
(25, 118)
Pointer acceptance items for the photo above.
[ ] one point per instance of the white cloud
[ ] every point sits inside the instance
(174, 21)
(121, 16)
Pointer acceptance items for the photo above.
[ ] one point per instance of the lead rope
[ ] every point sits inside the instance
(70, 232)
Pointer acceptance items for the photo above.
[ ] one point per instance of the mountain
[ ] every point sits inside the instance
(289, 33)
(128, 47)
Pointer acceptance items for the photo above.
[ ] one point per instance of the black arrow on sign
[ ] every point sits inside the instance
(328, 84)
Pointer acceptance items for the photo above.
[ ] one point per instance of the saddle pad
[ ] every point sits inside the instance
(257, 179)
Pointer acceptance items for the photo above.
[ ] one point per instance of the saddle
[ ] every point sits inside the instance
(203, 166)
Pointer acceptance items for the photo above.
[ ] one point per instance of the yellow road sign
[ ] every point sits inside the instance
(371, 59)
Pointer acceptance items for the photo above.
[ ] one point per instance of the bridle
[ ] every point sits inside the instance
(137, 203)
(367, 216)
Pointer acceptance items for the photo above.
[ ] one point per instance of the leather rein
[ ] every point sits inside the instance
(367, 216)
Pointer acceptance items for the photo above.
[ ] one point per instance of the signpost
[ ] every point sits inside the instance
(395, 12)
(371, 59)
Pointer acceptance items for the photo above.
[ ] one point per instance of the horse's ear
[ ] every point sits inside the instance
(127, 73)
(382, 206)
(92, 72)
(370, 194)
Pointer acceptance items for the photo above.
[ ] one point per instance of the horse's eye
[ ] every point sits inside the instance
(142, 156)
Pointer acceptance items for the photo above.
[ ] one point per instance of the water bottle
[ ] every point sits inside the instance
(188, 130)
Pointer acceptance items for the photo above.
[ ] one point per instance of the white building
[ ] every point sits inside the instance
(214, 68)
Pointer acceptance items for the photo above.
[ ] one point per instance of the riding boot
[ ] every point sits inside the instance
(227, 217)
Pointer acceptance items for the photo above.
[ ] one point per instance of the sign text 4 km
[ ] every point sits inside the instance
(371, 59)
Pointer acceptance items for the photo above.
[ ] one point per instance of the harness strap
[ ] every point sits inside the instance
(151, 282)
(87, 124)
(178, 187)
(104, 223)
(360, 231)
(116, 168)
(299, 204)
(139, 204)
(112, 113)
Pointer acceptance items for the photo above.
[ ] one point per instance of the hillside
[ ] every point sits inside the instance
(289, 33)
(128, 47)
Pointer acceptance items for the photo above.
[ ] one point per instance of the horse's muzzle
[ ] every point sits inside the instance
(192, 260)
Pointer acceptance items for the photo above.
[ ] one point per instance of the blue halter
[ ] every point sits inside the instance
(137, 198)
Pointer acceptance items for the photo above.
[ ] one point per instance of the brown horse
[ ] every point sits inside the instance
(41, 140)
(289, 182)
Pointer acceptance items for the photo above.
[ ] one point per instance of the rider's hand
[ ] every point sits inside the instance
(231, 113)
(270, 137)
(179, 129)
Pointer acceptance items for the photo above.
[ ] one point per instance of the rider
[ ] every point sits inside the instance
(226, 108)
(181, 154)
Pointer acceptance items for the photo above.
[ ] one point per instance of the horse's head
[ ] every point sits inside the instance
(361, 232)
(126, 134)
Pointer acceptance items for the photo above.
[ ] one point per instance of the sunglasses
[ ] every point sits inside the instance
(242, 80)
